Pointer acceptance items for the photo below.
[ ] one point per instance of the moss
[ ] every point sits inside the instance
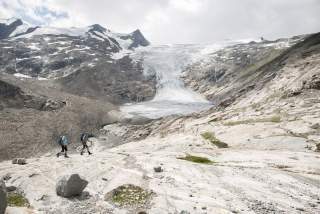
(273, 119)
(129, 195)
(196, 159)
(17, 200)
(212, 138)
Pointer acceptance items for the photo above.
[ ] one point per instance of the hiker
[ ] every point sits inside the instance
(84, 140)
(63, 142)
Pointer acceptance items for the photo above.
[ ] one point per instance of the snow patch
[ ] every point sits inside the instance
(8, 21)
(21, 75)
(121, 54)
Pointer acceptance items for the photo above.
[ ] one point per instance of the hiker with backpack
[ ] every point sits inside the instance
(84, 138)
(63, 142)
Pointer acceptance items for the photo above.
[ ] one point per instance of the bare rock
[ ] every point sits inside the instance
(313, 83)
(70, 186)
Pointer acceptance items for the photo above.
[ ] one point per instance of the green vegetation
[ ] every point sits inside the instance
(17, 200)
(273, 119)
(196, 159)
(129, 195)
(212, 138)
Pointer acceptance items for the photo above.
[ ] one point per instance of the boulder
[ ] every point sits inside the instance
(11, 188)
(3, 197)
(70, 186)
(158, 169)
(20, 161)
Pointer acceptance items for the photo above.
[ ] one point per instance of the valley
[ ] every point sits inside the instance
(231, 127)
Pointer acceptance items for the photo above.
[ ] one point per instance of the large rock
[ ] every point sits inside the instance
(20, 161)
(3, 197)
(70, 186)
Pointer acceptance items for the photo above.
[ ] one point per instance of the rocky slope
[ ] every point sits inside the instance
(33, 114)
(86, 53)
(228, 73)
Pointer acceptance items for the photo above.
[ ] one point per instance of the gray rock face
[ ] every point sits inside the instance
(70, 186)
(3, 197)
(6, 30)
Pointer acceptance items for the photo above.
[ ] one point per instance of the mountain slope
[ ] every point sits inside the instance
(87, 53)
(229, 73)
(33, 114)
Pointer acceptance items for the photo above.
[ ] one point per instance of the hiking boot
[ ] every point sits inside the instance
(81, 153)
(90, 153)
(58, 154)
(66, 156)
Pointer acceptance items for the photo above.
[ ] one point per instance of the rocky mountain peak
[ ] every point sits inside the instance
(138, 39)
(98, 28)
(7, 26)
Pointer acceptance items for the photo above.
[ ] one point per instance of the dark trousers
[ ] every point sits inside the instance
(85, 146)
(64, 150)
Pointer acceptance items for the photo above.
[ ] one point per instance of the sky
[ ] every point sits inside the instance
(176, 21)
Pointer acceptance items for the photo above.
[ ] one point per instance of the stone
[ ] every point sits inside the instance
(20, 161)
(51, 105)
(158, 169)
(70, 186)
(3, 197)
(315, 126)
(11, 188)
(6, 177)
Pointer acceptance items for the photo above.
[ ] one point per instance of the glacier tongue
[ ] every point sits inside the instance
(167, 62)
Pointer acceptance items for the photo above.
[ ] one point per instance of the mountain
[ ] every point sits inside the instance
(256, 153)
(94, 55)
(254, 148)
(16, 28)
(231, 72)
(63, 80)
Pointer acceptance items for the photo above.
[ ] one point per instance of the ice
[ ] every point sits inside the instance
(20, 29)
(121, 54)
(57, 31)
(167, 62)
(21, 75)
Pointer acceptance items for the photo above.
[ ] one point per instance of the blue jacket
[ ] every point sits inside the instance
(63, 140)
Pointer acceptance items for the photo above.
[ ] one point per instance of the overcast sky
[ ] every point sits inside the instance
(176, 21)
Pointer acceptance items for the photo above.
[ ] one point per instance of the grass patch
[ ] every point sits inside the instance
(214, 140)
(273, 119)
(196, 159)
(17, 200)
(129, 195)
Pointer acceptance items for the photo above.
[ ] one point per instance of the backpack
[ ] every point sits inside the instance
(63, 140)
(84, 137)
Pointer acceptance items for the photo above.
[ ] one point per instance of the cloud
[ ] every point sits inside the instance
(176, 21)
